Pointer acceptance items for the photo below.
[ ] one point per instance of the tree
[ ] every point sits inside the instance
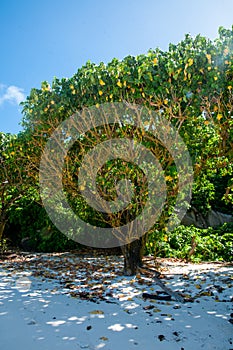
(190, 86)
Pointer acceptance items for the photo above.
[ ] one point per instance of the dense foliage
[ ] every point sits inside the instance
(193, 244)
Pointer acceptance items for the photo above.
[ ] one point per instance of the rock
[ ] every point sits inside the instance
(215, 218)
(27, 244)
(212, 219)
(193, 217)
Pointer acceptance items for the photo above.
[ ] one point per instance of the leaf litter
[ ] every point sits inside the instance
(204, 318)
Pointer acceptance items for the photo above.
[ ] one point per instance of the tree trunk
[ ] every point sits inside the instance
(3, 221)
(2, 227)
(133, 253)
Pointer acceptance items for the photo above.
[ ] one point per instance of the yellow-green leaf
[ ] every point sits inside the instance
(101, 82)
(190, 62)
(208, 58)
(219, 116)
(168, 178)
(119, 83)
(104, 338)
(96, 312)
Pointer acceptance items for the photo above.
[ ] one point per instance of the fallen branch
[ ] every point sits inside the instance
(158, 281)
(158, 296)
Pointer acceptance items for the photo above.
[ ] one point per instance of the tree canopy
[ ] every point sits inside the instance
(190, 85)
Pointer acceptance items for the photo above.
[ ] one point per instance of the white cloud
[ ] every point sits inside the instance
(12, 94)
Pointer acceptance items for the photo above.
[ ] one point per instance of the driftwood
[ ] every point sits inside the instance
(158, 296)
(158, 281)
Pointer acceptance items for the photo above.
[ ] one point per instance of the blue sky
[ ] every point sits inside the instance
(42, 39)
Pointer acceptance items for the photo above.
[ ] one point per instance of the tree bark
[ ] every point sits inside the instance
(2, 227)
(3, 220)
(133, 253)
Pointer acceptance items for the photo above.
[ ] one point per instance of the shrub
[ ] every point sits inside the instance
(194, 244)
